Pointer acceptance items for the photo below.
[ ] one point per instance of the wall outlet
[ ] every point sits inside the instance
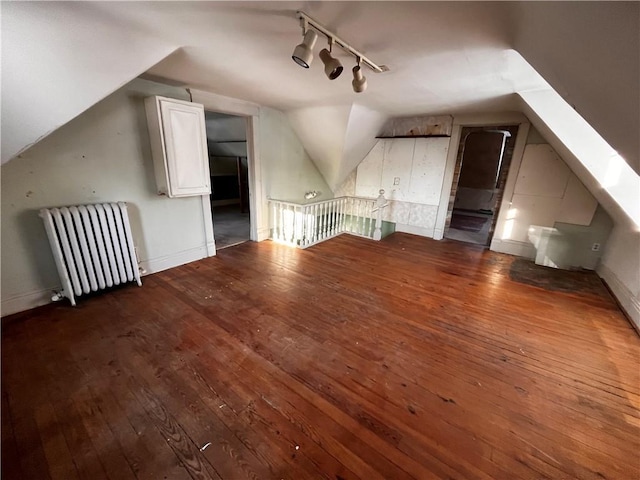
(396, 180)
(595, 247)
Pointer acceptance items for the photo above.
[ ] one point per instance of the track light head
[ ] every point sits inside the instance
(303, 53)
(359, 82)
(332, 66)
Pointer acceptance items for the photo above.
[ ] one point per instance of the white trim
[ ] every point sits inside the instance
(222, 104)
(513, 247)
(629, 303)
(447, 182)
(258, 203)
(510, 185)
(166, 262)
(251, 111)
(480, 120)
(207, 218)
(421, 231)
(27, 301)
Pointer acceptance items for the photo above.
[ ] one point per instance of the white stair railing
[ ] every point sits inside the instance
(303, 225)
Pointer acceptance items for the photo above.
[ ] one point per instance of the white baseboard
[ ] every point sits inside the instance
(263, 234)
(421, 231)
(166, 262)
(27, 301)
(512, 247)
(211, 249)
(629, 303)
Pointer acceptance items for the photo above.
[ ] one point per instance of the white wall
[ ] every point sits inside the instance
(411, 172)
(288, 172)
(337, 138)
(615, 185)
(60, 58)
(620, 268)
(102, 155)
(548, 205)
(588, 51)
(546, 192)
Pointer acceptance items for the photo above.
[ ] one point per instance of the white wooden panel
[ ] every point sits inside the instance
(527, 211)
(369, 173)
(186, 148)
(398, 158)
(542, 172)
(578, 205)
(429, 161)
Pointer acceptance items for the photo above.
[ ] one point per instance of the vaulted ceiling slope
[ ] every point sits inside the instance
(60, 58)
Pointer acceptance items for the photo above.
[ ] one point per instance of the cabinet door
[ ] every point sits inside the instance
(185, 139)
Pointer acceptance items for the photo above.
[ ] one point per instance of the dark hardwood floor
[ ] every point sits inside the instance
(406, 358)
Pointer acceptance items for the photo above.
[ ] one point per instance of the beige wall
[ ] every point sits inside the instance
(288, 171)
(104, 155)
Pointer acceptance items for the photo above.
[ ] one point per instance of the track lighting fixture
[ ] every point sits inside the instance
(332, 66)
(359, 82)
(303, 53)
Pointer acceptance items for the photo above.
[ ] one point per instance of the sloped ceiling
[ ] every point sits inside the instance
(445, 58)
(59, 59)
(590, 53)
(337, 137)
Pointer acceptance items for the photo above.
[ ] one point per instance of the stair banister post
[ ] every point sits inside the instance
(381, 202)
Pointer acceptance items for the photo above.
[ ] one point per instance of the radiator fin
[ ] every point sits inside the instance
(92, 246)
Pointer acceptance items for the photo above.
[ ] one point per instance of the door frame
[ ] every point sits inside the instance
(482, 120)
(257, 206)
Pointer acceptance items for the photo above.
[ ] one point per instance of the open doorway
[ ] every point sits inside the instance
(228, 163)
(482, 166)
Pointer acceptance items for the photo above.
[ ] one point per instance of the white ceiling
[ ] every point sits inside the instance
(444, 57)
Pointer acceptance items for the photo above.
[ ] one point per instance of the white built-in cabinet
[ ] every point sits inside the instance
(408, 169)
(178, 146)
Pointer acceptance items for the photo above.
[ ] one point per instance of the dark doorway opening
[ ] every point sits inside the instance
(482, 166)
(228, 162)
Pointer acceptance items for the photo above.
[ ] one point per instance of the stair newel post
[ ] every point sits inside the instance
(380, 204)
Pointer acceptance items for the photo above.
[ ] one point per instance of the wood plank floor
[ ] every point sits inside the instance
(406, 358)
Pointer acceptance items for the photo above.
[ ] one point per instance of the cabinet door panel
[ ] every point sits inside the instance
(186, 150)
